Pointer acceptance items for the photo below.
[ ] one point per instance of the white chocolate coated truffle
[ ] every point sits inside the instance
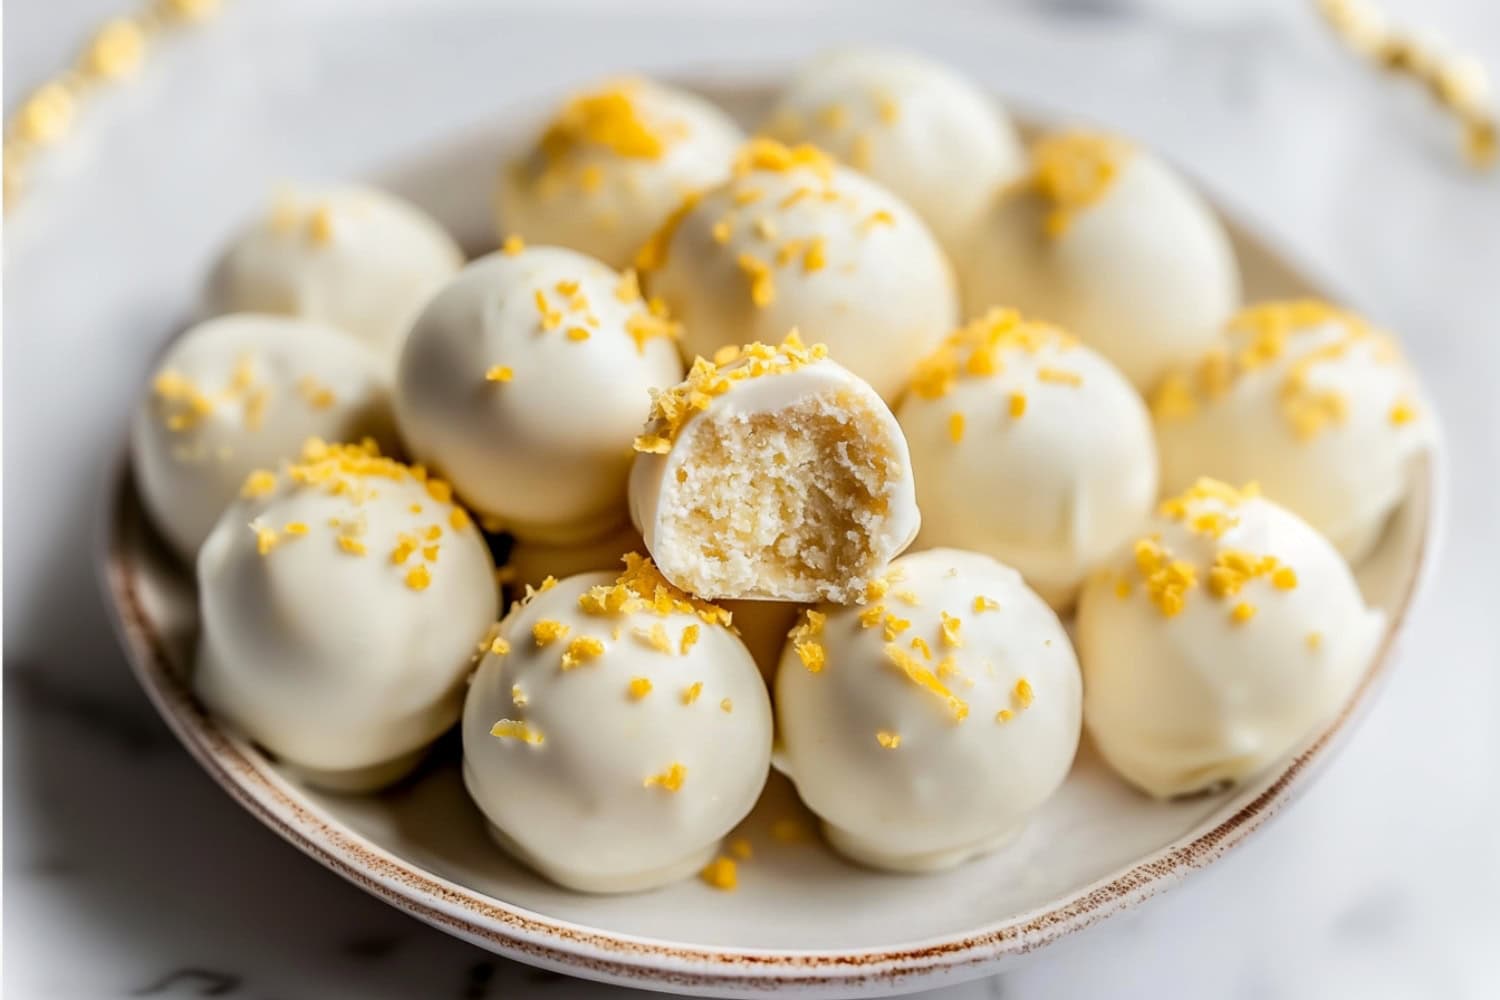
(342, 601)
(616, 731)
(612, 164)
(920, 129)
(1109, 243)
(1028, 447)
(1309, 401)
(925, 725)
(1218, 645)
(524, 382)
(778, 475)
(239, 393)
(793, 240)
(353, 257)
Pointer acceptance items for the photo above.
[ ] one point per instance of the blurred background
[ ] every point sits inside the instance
(128, 873)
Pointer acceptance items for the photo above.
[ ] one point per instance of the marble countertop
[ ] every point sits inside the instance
(128, 873)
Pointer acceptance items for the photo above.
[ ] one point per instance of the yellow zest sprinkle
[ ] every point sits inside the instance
(603, 119)
(1059, 376)
(1314, 640)
(1073, 170)
(982, 603)
(950, 628)
(511, 729)
(577, 333)
(116, 51)
(919, 644)
(265, 539)
(353, 546)
(1122, 588)
(320, 225)
(295, 528)
(726, 705)
(1017, 405)
(976, 350)
(641, 587)
(872, 616)
(925, 679)
(513, 245)
(1243, 612)
(458, 519)
(895, 626)
(815, 258)
(1023, 692)
(672, 408)
(656, 637)
(317, 395)
(878, 218)
(956, 427)
(405, 546)
(1004, 715)
(548, 630)
(499, 646)
(499, 373)
(258, 484)
(762, 281)
(628, 288)
(1403, 412)
(46, 116)
(768, 154)
(517, 696)
(740, 848)
(721, 873)
(418, 578)
(671, 779)
(804, 640)
(691, 692)
(1167, 580)
(581, 650)
(888, 739)
(1284, 578)
(887, 109)
(689, 638)
(639, 687)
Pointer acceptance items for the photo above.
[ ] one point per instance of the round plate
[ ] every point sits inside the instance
(802, 920)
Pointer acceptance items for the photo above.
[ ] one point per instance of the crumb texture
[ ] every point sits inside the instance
(790, 503)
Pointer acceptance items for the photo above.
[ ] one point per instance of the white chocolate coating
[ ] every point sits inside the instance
(926, 133)
(1310, 402)
(617, 773)
(240, 393)
(342, 648)
(611, 165)
(1184, 702)
(918, 768)
(1043, 460)
(544, 444)
(353, 257)
(793, 484)
(1138, 267)
(802, 243)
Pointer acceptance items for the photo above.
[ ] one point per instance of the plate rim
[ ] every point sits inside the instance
(535, 938)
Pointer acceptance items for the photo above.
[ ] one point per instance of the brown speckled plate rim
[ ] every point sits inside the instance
(560, 945)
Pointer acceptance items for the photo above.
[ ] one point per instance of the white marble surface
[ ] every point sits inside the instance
(127, 873)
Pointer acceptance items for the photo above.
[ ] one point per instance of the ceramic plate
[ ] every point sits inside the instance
(802, 920)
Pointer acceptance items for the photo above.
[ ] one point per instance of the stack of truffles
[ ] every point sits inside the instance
(839, 418)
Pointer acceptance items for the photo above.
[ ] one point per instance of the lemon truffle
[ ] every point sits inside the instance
(920, 129)
(1219, 643)
(1309, 400)
(794, 240)
(612, 163)
(926, 724)
(1029, 447)
(615, 731)
(524, 382)
(353, 257)
(775, 475)
(342, 601)
(1111, 244)
(242, 392)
